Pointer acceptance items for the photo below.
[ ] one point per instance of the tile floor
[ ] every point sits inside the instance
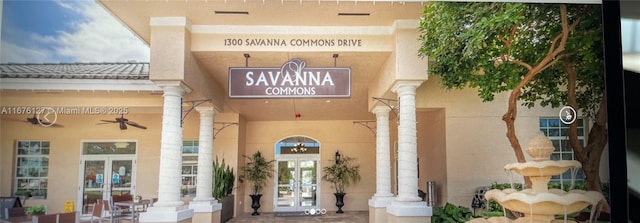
(347, 217)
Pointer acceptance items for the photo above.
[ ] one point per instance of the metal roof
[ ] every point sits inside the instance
(126, 71)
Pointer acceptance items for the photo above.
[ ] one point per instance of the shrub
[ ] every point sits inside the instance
(451, 214)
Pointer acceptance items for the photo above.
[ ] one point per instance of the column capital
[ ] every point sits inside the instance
(177, 87)
(207, 110)
(381, 110)
(402, 87)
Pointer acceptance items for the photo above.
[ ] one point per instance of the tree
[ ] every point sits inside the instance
(549, 54)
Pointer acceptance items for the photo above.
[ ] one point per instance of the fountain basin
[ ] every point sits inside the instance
(543, 168)
(553, 202)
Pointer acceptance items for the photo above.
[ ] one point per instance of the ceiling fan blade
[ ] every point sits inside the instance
(56, 125)
(33, 120)
(136, 125)
(109, 121)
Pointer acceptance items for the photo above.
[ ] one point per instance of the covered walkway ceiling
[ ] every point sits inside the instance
(326, 15)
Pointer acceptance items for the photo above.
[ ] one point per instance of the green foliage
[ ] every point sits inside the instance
(223, 179)
(451, 214)
(257, 171)
(284, 174)
(37, 209)
(341, 173)
(467, 45)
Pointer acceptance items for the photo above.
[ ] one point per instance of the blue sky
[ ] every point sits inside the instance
(53, 31)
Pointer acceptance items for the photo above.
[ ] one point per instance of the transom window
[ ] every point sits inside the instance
(32, 168)
(558, 133)
(297, 145)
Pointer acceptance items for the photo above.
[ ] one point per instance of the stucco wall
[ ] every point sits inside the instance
(66, 142)
(351, 140)
(431, 130)
(477, 148)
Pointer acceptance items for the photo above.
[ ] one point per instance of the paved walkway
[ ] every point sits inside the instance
(347, 217)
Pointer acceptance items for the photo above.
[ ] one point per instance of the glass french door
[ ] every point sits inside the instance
(297, 185)
(104, 176)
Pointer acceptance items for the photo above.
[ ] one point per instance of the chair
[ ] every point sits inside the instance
(67, 217)
(98, 211)
(123, 197)
(14, 212)
(114, 213)
(45, 218)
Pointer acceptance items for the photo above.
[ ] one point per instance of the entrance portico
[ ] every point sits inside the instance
(195, 43)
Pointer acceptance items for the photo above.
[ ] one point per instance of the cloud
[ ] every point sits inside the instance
(95, 36)
(19, 54)
(100, 38)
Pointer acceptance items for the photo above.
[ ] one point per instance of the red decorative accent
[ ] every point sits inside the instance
(298, 115)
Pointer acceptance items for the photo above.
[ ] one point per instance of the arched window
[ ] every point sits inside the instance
(297, 145)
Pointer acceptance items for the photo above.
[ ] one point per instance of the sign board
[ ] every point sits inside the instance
(115, 178)
(292, 80)
(68, 207)
(99, 178)
(8, 202)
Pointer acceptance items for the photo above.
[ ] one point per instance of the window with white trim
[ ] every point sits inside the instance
(558, 133)
(189, 166)
(32, 168)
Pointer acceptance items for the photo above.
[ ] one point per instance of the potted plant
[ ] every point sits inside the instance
(257, 171)
(35, 210)
(223, 180)
(341, 173)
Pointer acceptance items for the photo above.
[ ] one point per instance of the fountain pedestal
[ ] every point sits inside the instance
(539, 204)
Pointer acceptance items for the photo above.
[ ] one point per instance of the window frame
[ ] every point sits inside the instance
(189, 161)
(35, 159)
(561, 144)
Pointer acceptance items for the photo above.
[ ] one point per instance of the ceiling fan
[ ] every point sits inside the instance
(123, 122)
(36, 121)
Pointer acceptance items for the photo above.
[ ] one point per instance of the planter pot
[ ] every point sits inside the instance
(227, 208)
(255, 203)
(339, 201)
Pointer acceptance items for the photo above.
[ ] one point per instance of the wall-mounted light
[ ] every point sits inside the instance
(121, 145)
(338, 156)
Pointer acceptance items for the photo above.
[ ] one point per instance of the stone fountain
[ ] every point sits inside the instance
(539, 204)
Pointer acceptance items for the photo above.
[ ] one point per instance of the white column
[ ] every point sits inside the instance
(407, 202)
(204, 201)
(383, 195)
(171, 148)
(205, 155)
(170, 207)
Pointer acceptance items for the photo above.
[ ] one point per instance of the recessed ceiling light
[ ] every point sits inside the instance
(354, 14)
(231, 12)
(328, 101)
(266, 102)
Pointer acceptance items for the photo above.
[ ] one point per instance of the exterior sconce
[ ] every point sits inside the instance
(338, 156)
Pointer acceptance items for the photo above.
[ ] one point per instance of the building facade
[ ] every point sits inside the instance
(395, 119)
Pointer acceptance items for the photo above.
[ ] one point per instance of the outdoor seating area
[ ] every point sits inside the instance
(70, 217)
(120, 207)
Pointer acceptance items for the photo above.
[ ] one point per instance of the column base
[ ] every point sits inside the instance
(205, 206)
(378, 208)
(180, 214)
(206, 211)
(409, 209)
(377, 214)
